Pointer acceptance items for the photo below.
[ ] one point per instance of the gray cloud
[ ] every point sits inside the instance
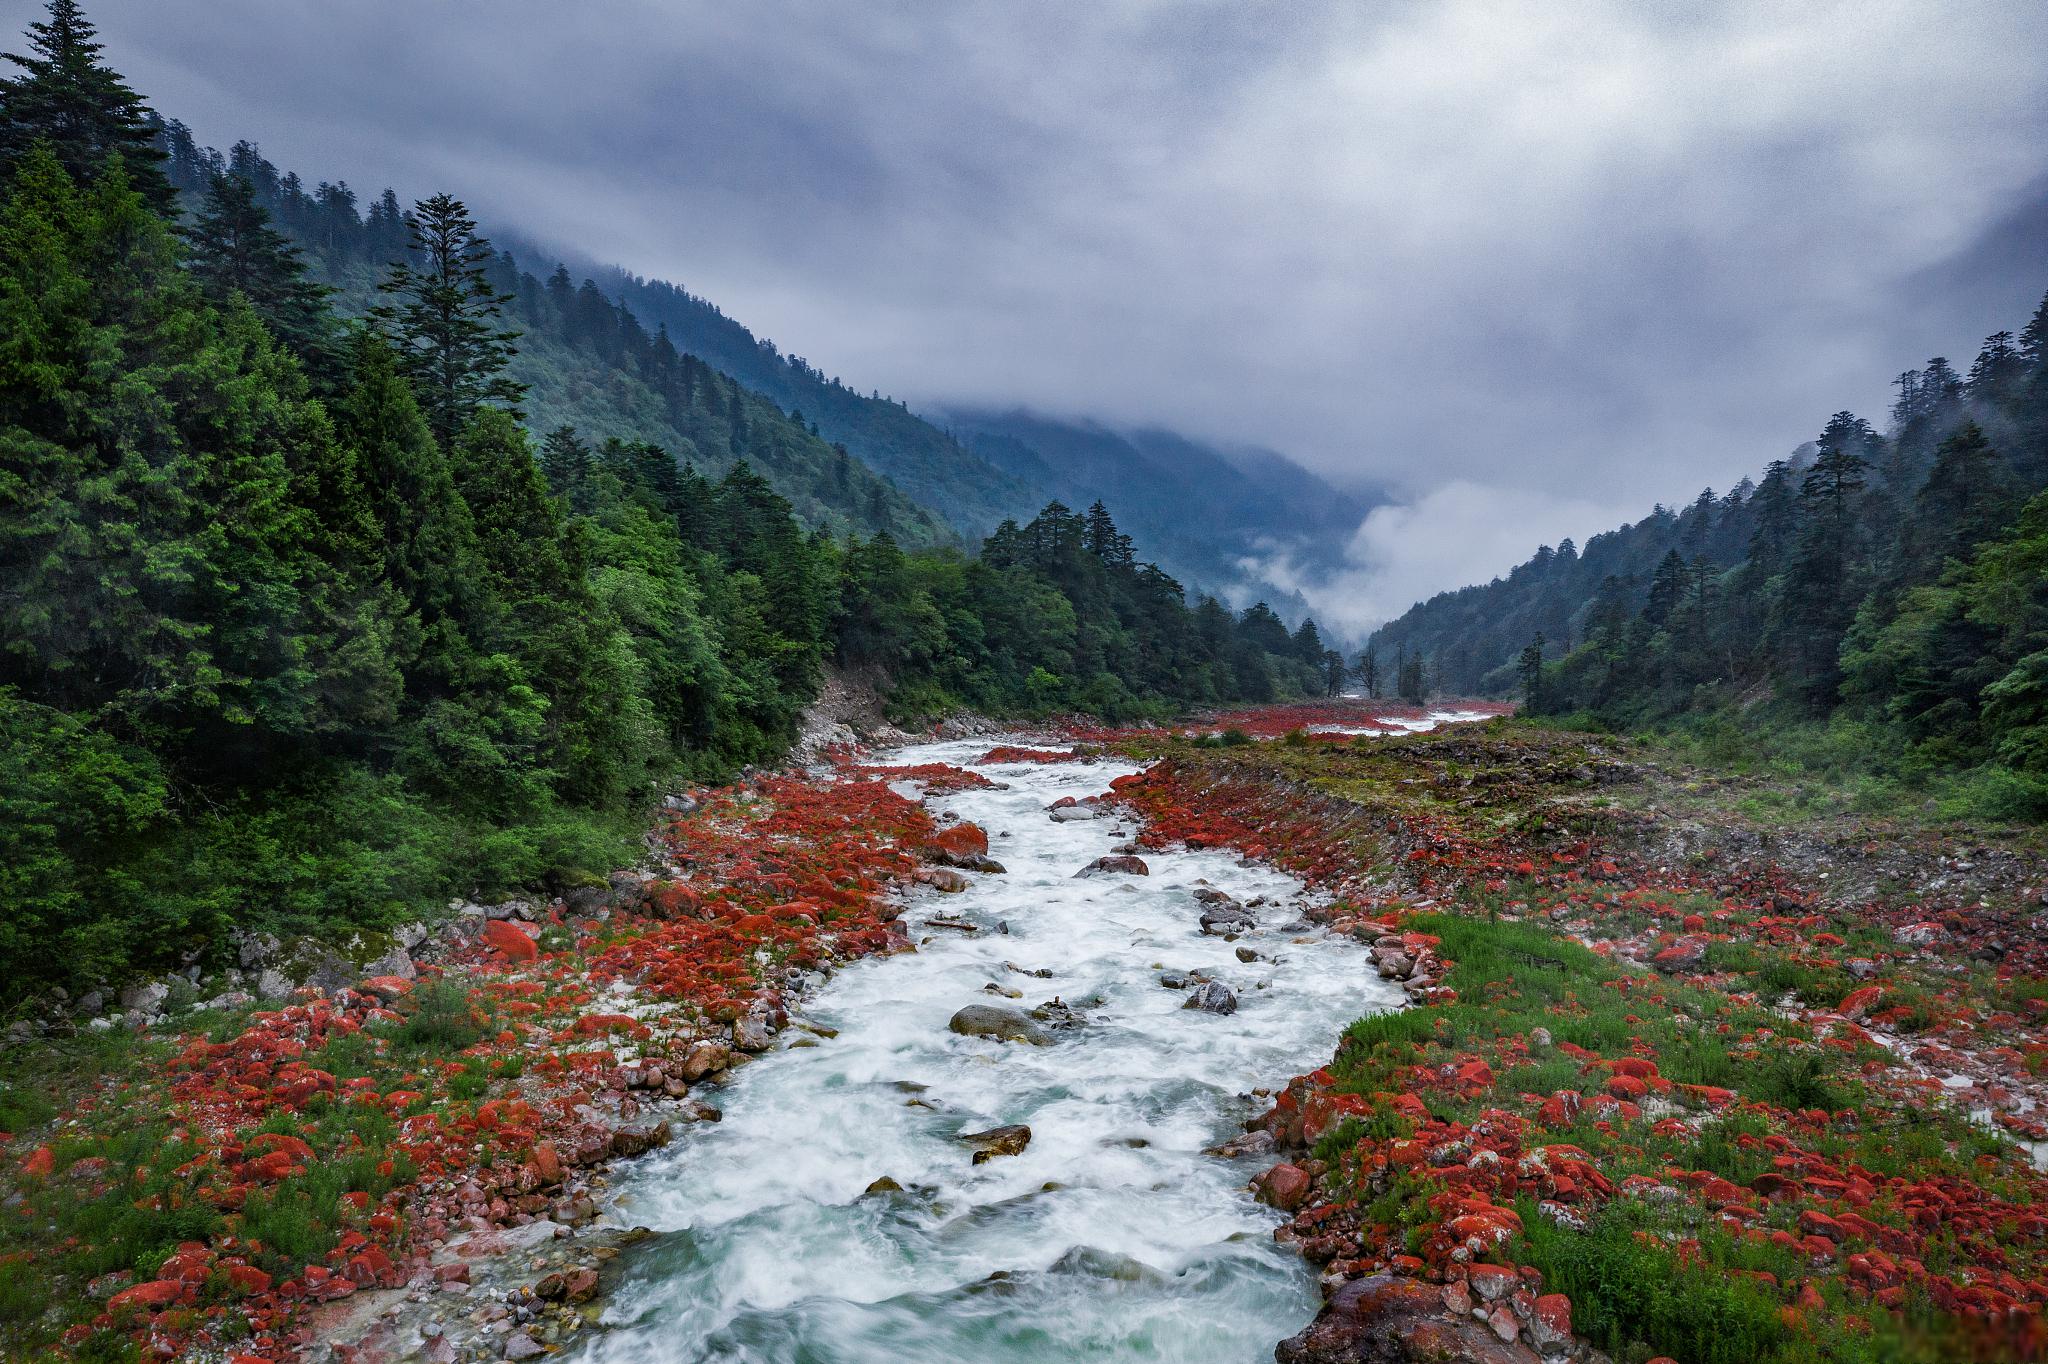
(1530, 267)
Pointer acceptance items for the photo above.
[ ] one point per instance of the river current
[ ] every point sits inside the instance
(1111, 1236)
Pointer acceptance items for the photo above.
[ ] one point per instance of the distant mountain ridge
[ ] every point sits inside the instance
(1200, 511)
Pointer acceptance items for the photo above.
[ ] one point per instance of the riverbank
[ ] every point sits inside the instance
(252, 1183)
(1677, 1085)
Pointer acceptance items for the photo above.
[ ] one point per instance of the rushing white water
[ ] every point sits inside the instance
(1111, 1237)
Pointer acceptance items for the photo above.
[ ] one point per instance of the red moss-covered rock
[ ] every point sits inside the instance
(1285, 1186)
(509, 942)
(962, 840)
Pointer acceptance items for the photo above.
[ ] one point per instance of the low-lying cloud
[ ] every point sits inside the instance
(1601, 253)
(1459, 532)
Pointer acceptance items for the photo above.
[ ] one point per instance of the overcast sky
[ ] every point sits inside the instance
(1526, 267)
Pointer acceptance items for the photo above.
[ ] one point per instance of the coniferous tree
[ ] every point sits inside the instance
(66, 96)
(1963, 502)
(444, 318)
(565, 461)
(234, 249)
(1529, 667)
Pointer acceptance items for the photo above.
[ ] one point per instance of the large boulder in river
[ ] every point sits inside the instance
(998, 1141)
(1228, 921)
(1116, 864)
(1212, 997)
(1382, 1319)
(1004, 1025)
(1222, 914)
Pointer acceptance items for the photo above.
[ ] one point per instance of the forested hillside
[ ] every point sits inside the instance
(303, 629)
(1894, 583)
(583, 359)
(926, 463)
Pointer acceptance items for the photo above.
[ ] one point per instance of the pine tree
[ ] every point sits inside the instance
(564, 461)
(1963, 502)
(1667, 589)
(444, 319)
(68, 98)
(1529, 668)
(235, 250)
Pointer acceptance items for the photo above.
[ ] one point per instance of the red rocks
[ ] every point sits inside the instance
(501, 937)
(158, 1293)
(962, 840)
(1005, 753)
(1285, 1186)
(1550, 1323)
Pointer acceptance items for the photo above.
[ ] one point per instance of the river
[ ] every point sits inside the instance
(1110, 1237)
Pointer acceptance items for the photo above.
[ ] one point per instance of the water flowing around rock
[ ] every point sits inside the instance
(1109, 1235)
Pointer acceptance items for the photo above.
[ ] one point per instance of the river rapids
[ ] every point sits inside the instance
(1111, 1236)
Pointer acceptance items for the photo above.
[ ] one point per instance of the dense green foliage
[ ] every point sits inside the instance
(301, 632)
(1887, 594)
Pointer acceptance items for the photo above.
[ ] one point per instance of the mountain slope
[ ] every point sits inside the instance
(587, 361)
(1786, 586)
(926, 463)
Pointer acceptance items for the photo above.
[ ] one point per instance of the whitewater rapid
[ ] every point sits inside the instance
(1111, 1237)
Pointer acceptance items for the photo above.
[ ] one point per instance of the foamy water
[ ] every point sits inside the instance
(1111, 1237)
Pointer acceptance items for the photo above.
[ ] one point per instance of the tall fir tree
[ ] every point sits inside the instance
(66, 96)
(233, 249)
(444, 318)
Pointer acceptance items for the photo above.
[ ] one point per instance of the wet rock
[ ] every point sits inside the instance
(702, 1059)
(1248, 955)
(1212, 997)
(882, 1186)
(984, 864)
(998, 1141)
(1382, 1319)
(639, 1138)
(1227, 921)
(1119, 864)
(943, 879)
(1004, 1025)
(1068, 814)
(1284, 1186)
(1182, 980)
(1060, 1015)
(521, 1346)
(1259, 1143)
